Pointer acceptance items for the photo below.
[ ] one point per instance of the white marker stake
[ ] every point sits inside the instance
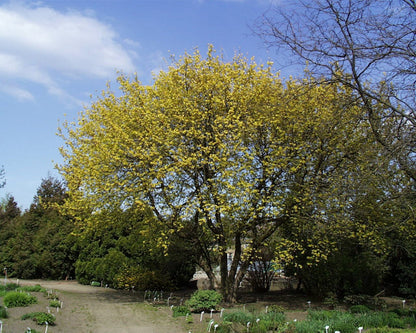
(211, 322)
(168, 300)
(28, 330)
(202, 315)
(404, 302)
(212, 310)
(257, 320)
(222, 310)
(46, 328)
(1, 326)
(248, 326)
(267, 307)
(62, 304)
(360, 329)
(215, 327)
(309, 304)
(326, 328)
(337, 332)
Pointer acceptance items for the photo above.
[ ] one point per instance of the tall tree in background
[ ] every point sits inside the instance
(222, 151)
(2, 180)
(369, 46)
(38, 243)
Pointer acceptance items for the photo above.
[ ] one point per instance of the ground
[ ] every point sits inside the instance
(91, 309)
(88, 309)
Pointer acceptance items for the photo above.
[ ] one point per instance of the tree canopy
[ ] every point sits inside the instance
(369, 46)
(224, 153)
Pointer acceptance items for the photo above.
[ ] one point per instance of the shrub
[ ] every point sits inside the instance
(387, 330)
(3, 312)
(181, 310)
(36, 288)
(204, 300)
(11, 286)
(238, 317)
(139, 279)
(275, 308)
(359, 309)
(40, 317)
(54, 304)
(15, 299)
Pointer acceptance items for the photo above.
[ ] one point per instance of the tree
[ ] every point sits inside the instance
(38, 243)
(369, 46)
(2, 180)
(222, 152)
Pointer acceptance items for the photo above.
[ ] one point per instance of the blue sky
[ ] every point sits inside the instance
(55, 55)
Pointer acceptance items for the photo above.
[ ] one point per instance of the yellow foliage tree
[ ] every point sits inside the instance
(223, 151)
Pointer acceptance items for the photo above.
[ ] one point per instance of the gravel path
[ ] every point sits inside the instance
(90, 309)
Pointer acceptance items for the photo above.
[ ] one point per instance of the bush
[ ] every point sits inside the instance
(3, 312)
(11, 286)
(179, 311)
(139, 279)
(35, 289)
(40, 317)
(276, 308)
(54, 304)
(204, 300)
(15, 299)
(359, 309)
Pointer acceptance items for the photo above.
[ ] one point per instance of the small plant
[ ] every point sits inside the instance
(276, 308)
(53, 296)
(331, 300)
(32, 330)
(40, 317)
(11, 286)
(204, 300)
(54, 304)
(95, 284)
(3, 312)
(35, 289)
(179, 311)
(15, 299)
(359, 309)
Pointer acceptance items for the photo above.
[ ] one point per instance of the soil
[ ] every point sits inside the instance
(88, 309)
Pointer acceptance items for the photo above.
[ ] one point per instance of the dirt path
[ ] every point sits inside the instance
(90, 309)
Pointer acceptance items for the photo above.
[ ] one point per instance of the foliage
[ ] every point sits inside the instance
(54, 304)
(261, 272)
(35, 288)
(2, 179)
(359, 309)
(179, 311)
(3, 312)
(16, 299)
(204, 300)
(142, 279)
(367, 46)
(119, 254)
(259, 322)
(374, 303)
(40, 318)
(348, 322)
(223, 153)
(38, 244)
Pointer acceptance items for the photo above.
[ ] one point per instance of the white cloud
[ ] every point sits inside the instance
(38, 44)
(19, 93)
